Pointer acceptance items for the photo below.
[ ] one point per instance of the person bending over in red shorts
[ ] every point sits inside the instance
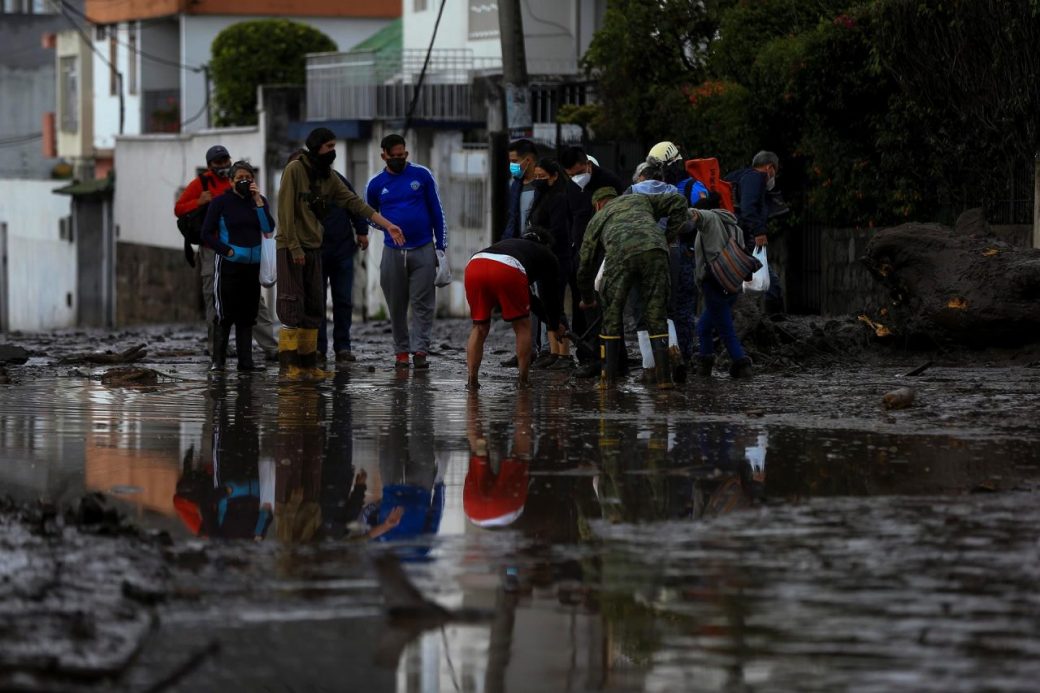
(501, 276)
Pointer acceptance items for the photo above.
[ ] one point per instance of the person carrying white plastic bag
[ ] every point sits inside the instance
(759, 280)
(443, 276)
(268, 261)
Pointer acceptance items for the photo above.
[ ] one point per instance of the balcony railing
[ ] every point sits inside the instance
(374, 86)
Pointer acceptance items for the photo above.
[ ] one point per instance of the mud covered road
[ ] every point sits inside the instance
(783, 533)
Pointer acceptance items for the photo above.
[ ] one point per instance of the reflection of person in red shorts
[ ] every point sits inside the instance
(501, 277)
(495, 491)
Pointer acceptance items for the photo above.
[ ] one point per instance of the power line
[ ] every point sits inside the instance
(15, 139)
(99, 54)
(422, 73)
(27, 139)
(134, 49)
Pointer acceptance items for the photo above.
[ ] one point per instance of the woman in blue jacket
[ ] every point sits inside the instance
(234, 226)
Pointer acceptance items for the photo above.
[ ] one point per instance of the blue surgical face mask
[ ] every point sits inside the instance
(515, 170)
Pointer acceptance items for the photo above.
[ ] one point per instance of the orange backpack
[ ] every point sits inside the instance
(707, 172)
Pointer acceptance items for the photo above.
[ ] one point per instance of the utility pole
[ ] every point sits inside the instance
(515, 122)
(514, 69)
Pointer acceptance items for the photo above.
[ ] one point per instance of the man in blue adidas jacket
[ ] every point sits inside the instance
(408, 192)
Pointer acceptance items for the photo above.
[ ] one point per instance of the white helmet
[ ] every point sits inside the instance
(663, 153)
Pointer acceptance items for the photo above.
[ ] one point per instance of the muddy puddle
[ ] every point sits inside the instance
(783, 534)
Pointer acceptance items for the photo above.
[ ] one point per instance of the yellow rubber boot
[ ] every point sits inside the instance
(288, 355)
(307, 347)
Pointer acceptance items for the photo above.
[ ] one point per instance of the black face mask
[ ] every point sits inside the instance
(396, 164)
(540, 185)
(242, 187)
(222, 172)
(326, 159)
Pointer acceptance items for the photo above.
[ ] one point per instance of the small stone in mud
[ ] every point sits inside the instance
(900, 398)
(5, 379)
(13, 355)
(371, 369)
(128, 376)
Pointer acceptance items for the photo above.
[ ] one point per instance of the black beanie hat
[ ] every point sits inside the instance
(318, 137)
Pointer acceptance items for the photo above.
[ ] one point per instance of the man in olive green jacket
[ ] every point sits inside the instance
(307, 189)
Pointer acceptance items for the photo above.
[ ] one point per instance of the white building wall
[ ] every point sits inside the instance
(41, 267)
(106, 104)
(556, 32)
(197, 34)
(152, 170)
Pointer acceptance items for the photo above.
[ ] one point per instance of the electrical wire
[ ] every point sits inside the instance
(20, 138)
(422, 73)
(203, 110)
(147, 56)
(20, 142)
(99, 54)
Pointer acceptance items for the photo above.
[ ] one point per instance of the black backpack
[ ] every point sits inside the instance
(190, 225)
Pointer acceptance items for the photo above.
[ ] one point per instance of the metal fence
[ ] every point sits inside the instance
(371, 85)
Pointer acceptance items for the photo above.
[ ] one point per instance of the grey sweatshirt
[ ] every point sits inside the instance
(714, 229)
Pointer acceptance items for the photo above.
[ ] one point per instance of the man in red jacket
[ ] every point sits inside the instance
(211, 183)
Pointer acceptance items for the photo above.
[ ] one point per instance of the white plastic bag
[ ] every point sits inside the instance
(268, 261)
(597, 284)
(443, 276)
(760, 279)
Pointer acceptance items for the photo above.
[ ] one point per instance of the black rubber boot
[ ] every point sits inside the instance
(705, 364)
(244, 347)
(662, 362)
(611, 357)
(590, 369)
(741, 368)
(221, 334)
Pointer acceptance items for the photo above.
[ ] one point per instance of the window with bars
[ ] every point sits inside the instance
(26, 7)
(69, 93)
(131, 58)
(113, 56)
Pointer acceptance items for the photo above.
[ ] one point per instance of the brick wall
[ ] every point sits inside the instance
(155, 285)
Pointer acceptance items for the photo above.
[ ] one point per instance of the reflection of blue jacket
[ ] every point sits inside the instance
(422, 510)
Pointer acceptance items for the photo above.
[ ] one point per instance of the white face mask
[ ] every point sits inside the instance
(771, 182)
(582, 179)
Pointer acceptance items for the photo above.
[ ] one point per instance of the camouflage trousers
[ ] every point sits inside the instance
(647, 272)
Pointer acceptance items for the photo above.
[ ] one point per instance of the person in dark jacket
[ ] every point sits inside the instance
(234, 226)
(500, 276)
(752, 201)
(344, 234)
(549, 212)
(585, 178)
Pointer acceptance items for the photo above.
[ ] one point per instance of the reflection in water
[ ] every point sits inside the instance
(230, 494)
(615, 541)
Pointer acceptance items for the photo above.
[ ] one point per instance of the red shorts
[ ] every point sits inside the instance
(491, 283)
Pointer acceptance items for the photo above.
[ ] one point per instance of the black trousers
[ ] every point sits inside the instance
(236, 292)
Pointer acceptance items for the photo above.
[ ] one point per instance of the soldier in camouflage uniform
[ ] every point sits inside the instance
(635, 255)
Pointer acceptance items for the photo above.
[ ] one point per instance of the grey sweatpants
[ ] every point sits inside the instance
(406, 277)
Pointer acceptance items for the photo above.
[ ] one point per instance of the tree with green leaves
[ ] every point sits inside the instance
(265, 51)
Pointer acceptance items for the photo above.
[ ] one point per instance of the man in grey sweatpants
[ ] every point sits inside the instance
(408, 193)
